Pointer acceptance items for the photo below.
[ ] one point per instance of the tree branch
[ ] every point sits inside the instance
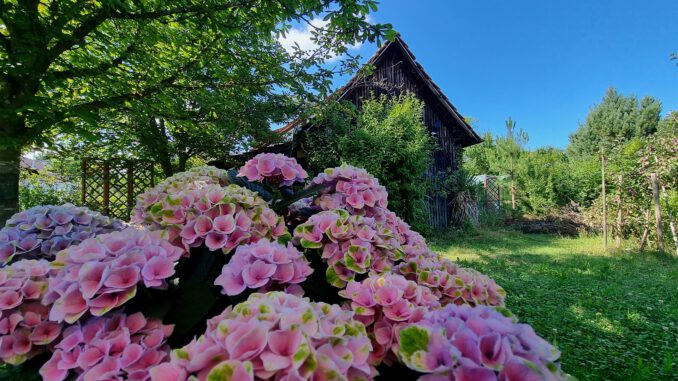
(79, 34)
(88, 72)
(159, 13)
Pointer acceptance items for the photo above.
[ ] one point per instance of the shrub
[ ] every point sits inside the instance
(212, 271)
(388, 138)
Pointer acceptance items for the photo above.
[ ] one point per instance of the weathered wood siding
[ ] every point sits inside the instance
(393, 75)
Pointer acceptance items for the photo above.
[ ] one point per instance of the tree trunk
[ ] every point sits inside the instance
(166, 166)
(183, 159)
(10, 159)
(602, 170)
(513, 195)
(657, 212)
(619, 211)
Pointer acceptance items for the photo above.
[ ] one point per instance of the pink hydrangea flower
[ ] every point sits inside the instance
(42, 231)
(219, 217)
(102, 273)
(459, 343)
(350, 244)
(385, 303)
(274, 169)
(263, 265)
(352, 189)
(194, 178)
(451, 283)
(24, 328)
(275, 336)
(113, 347)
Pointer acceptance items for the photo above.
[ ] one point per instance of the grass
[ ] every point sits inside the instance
(613, 315)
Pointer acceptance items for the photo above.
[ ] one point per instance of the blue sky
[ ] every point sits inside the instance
(544, 63)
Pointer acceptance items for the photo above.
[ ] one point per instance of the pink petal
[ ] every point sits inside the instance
(167, 372)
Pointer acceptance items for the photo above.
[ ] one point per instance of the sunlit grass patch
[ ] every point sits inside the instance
(613, 314)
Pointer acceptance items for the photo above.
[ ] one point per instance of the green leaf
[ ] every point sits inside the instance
(413, 339)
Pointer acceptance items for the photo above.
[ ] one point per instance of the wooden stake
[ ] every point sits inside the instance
(602, 170)
(657, 211)
(672, 224)
(646, 231)
(620, 179)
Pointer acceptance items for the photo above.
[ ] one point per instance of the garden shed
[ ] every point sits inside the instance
(396, 71)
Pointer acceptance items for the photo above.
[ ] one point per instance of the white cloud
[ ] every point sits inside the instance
(302, 36)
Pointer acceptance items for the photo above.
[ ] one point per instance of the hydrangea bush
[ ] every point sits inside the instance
(385, 304)
(219, 217)
(24, 328)
(103, 272)
(350, 188)
(275, 336)
(476, 343)
(274, 169)
(210, 269)
(263, 265)
(113, 347)
(42, 231)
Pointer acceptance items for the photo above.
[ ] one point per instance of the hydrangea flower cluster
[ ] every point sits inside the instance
(113, 347)
(350, 188)
(350, 244)
(384, 303)
(102, 273)
(451, 283)
(262, 266)
(220, 217)
(274, 336)
(42, 231)
(476, 343)
(196, 177)
(411, 243)
(24, 328)
(274, 169)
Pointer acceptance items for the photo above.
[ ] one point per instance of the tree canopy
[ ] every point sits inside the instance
(615, 120)
(72, 66)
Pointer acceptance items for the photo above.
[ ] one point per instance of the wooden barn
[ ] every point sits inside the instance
(397, 71)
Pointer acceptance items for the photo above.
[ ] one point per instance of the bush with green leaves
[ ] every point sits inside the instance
(388, 138)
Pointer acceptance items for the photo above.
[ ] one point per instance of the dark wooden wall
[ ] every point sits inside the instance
(393, 75)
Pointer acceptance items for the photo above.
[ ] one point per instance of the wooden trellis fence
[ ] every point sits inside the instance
(111, 186)
(492, 193)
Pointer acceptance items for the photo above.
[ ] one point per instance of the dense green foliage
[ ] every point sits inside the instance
(541, 178)
(612, 315)
(388, 138)
(214, 71)
(615, 120)
(635, 142)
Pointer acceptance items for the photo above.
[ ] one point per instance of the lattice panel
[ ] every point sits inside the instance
(492, 193)
(111, 186)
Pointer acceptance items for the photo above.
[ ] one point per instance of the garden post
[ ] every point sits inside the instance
(620, 180)
(657, 211)
(83, 183)
(602, 170)
(130, 187)
(646, 231)
(107, 188)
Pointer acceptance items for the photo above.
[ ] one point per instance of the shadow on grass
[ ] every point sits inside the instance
(613, 316)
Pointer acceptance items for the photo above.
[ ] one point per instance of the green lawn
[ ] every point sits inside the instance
(614, 316)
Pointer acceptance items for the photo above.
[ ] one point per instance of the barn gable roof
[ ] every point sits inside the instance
(470, 137)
